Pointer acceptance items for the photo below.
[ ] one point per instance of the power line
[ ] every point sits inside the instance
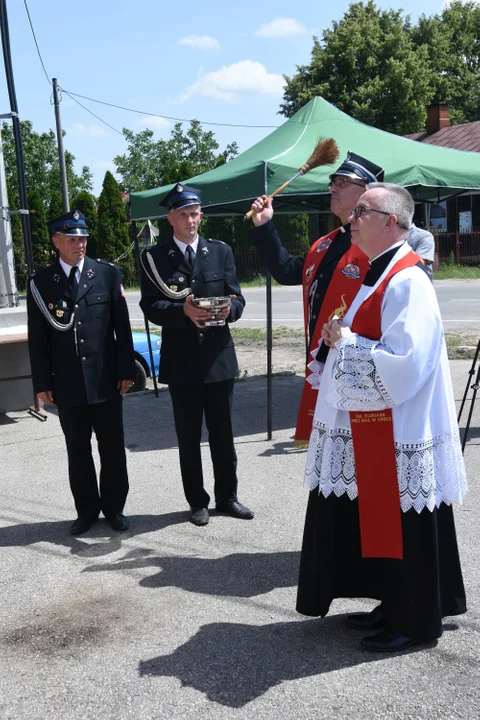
(167, 117)
(92, 113)
(36, 43)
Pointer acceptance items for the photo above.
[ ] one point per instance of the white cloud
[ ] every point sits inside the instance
(154, 121)
(281, 27)
(89, 130)
(200, 42)
(231, 80)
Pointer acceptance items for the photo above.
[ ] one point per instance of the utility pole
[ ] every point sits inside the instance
(8, 285)
(17, 134)
(61, 152)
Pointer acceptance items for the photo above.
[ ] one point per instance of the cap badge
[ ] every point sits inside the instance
(179, 188)
(76, 216)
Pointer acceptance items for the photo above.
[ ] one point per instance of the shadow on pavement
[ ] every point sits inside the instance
(233, 664)
(58, 533)
(149, 420)
(238, 575)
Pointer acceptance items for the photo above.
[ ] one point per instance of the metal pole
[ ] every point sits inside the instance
(61, 152)
(17, 134)
(8, 283)
(133, 226)
(269, 354)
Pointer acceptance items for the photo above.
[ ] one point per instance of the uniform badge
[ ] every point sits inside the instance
(171, 252)
(76, 216)
(352, 271)
(324, 244)
(308, 272)
(90, 274)
(173, 287)
(56, 278)
(181, 279)
(205, 251)
(59, 313)
(50, 306)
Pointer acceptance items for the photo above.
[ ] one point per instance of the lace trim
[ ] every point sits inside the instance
(429, 473)
(357, 381)
(316, 369)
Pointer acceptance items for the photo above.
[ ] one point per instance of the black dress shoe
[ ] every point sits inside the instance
(387, 642)
(374, 620)
(118, 522)
(235, 509)
(199, 516)
(81, 525)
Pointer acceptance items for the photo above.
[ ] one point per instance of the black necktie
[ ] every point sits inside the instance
(72, 279)
(190, 256)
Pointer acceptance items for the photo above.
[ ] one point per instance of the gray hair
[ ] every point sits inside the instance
(395, 200)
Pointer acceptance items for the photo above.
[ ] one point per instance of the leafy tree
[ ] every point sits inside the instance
(84, 202)
(452, 42)
(151, 163)
(112, 230)
(369, 66)
(55, 205)
(41, 242)
(41, 163)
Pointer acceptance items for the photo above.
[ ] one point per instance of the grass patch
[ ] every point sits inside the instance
(454, 341)
(451, 271)
(243, 335)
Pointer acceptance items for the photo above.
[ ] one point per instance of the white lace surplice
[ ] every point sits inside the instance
(407, 370)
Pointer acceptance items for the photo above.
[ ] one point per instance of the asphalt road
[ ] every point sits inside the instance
(459, 302)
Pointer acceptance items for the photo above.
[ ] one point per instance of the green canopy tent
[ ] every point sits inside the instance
(430, 173)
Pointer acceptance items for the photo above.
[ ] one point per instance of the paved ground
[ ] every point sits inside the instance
(459, 302)
(174, 621)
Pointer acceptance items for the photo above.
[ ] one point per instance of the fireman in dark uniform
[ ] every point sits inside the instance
(198, 363)
(81, 355)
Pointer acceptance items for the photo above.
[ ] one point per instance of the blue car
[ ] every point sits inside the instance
(142, 359)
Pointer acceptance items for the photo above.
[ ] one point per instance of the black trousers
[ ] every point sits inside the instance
(106, 419)
(190, 402)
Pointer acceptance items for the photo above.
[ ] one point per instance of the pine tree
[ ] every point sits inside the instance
(85, 202)
(55, 205)
(41, 243)
(113, 239)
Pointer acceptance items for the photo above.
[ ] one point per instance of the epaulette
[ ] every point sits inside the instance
(106, 262)
(215, 240)
(39, 270)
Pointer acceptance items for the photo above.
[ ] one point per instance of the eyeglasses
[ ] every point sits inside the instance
(341, 182)
(360, 209)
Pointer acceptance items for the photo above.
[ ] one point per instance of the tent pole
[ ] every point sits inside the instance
(133, 226)
(269, 354)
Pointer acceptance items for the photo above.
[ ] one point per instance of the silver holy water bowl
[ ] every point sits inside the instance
(214, 305)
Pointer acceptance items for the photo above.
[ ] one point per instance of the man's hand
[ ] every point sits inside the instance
(331, 333)
(46, 397)
(124, 386)
(262, 210)
(197, 315)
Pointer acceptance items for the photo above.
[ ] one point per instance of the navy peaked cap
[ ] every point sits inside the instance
(357, 167)
(72, 223)
(181, 196)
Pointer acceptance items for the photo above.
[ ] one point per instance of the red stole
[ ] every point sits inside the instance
(374, 447)
(342, 289)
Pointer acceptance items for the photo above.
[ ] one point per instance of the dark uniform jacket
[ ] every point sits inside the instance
(192, 355)
(84, 372)
(288, 270)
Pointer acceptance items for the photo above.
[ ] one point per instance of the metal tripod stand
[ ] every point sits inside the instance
(475, 387)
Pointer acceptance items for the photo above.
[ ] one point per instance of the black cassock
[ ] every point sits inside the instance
(198, 364)
(81, 366)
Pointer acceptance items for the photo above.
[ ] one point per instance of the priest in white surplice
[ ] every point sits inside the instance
(384, 462)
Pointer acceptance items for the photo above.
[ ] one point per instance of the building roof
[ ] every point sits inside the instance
(459, 137)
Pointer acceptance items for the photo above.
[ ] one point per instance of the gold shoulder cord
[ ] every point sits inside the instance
(159, 283)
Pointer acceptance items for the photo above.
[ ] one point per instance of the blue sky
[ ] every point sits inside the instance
(214, 61)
